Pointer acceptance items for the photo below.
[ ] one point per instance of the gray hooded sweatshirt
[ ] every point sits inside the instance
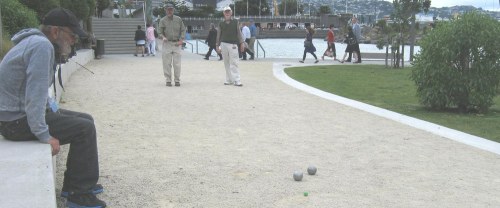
(26, 72)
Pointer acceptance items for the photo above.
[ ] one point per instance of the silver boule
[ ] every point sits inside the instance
(297, 175)
(311, 170)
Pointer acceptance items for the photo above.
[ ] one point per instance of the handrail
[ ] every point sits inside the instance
(198, 40)
(261, 47)
(203, 42)
(192, 51)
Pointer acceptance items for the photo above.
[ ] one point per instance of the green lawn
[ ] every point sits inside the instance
(392, 89)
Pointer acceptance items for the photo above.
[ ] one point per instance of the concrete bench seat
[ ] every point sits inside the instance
(27, 176)
(27, 169)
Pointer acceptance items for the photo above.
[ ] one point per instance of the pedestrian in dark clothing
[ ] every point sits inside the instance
(211, 41)
(357, 34)
(308, 45)
(140, 40)
(352, 45)
(28, 113)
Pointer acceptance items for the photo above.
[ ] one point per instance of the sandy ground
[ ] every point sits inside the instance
(208, 145)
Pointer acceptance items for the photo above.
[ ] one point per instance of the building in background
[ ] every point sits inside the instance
(204, 3)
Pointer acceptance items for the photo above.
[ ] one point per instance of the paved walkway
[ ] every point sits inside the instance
(208, 145)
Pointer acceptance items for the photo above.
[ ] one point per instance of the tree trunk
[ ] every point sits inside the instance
(412, 37)
(387, 52)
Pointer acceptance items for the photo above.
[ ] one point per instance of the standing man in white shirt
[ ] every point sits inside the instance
(246, 37)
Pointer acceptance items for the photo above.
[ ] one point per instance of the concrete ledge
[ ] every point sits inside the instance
(82, 57)
(27, 169)
(27, 174)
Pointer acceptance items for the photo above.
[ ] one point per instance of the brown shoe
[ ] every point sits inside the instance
(169, 84)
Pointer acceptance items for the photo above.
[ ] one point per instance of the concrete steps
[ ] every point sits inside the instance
(118, 34)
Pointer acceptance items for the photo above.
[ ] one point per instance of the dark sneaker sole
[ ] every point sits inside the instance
(95, 191)
(73, 205)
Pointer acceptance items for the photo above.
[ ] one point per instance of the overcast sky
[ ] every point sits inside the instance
(485, 4)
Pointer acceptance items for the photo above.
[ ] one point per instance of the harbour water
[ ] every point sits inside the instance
(294, 48)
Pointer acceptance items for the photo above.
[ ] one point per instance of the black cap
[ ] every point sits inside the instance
(64, 18)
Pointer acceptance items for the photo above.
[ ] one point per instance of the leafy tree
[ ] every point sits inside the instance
(325, 10)
(459, 64)
(80, 8)
(101, 6)
(290, 6)
(40, 7)
(180, 9)
(253, 7)
(16, 16)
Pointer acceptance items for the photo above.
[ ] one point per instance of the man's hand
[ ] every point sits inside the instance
(217, 49)
(180, 42)
(54, 144)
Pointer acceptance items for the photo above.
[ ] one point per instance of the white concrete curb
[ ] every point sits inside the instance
(475, 141)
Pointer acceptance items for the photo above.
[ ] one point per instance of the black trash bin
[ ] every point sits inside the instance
(100, 47)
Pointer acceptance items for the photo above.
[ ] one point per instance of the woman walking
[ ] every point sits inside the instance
(352, 44)
(308, 45)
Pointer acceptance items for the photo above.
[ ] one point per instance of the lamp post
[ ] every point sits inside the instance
(284, 11)
(297, 7)
(247, 8)
(309, 8)
(260, 6)
(1, 33)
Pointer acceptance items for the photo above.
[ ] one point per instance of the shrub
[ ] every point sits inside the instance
(16, 16)
(6, 46)
(459, 64)
(40, 7)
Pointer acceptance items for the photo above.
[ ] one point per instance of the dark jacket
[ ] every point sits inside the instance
(140, 35)
(311, 48)
(212, 38)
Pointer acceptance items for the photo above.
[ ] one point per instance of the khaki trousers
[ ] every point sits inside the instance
(171, 58)
(230, 56)
(251, 44)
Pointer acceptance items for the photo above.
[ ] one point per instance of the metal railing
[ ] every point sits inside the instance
(259, 46)
(192, 51)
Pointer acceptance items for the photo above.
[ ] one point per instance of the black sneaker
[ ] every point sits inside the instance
(177, 84)
(85, 201)
(97, 189)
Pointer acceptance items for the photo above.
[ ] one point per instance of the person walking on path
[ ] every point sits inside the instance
(330, 41)
(246, 37)
(140, 40)
(357, 33)
(151, 39)
(228, 39)
(308, 45)
(28, 113)
(350, 39)
(253, 36)
(211, 40)
(173, 33)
